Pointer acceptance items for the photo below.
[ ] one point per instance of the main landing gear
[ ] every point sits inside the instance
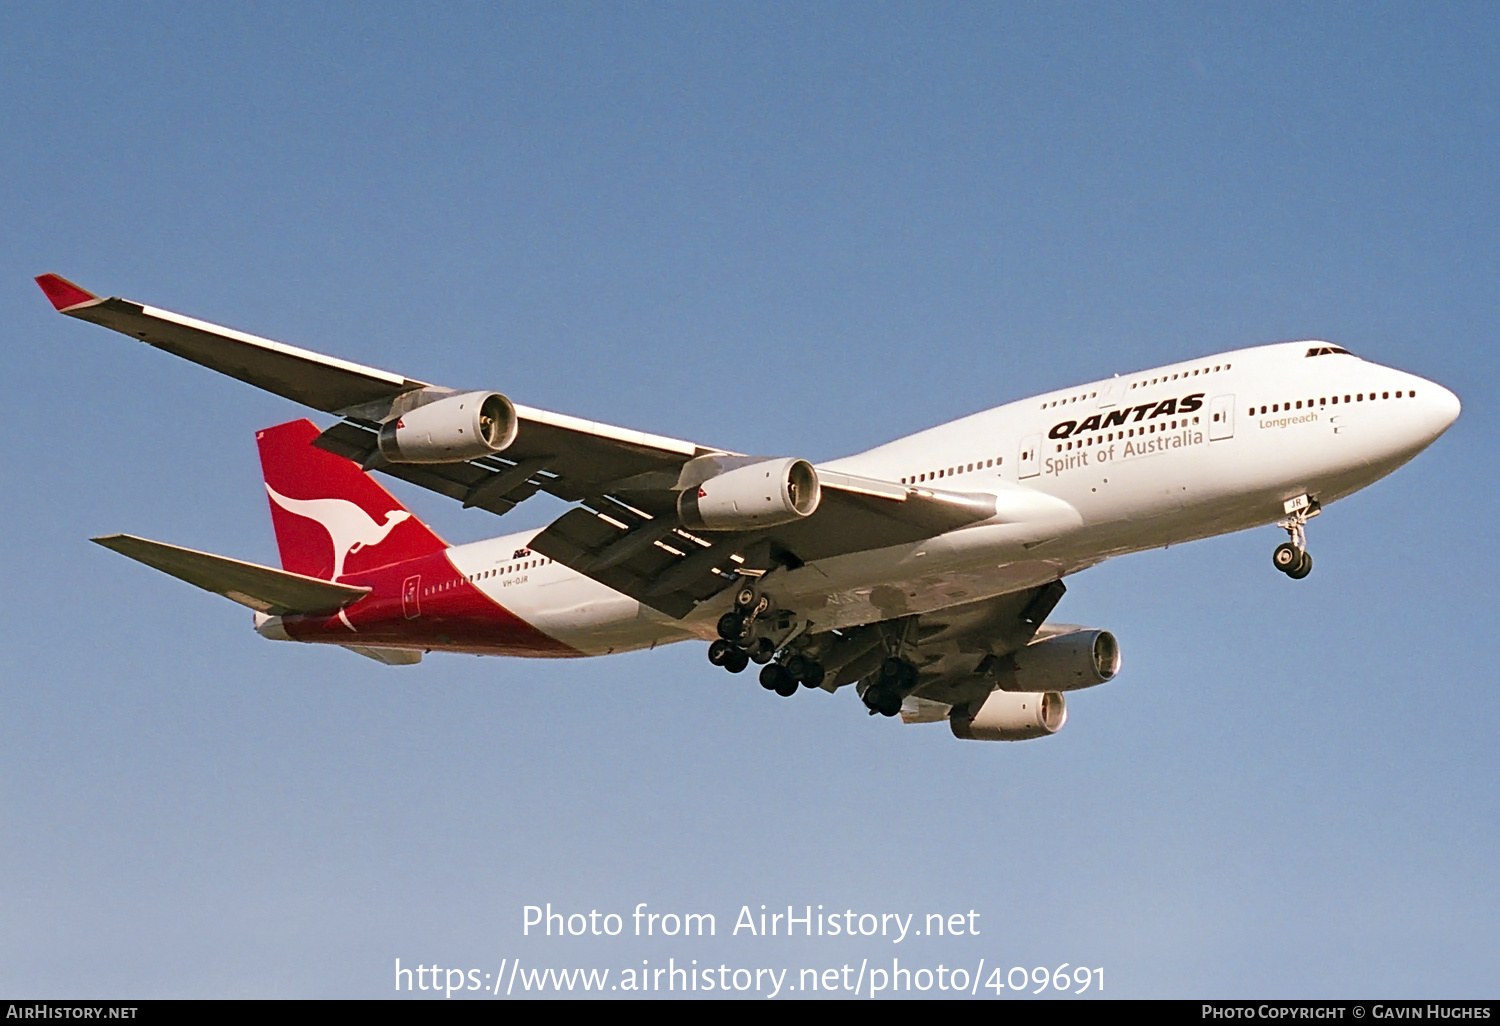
(895, 679)
(749, 633)
(1291, 557)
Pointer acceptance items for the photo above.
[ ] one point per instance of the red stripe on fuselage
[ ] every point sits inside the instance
(452, 615)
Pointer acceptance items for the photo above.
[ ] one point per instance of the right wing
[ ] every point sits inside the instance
(277, 592)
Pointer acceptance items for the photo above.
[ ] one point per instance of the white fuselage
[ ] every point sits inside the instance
(1134, 471)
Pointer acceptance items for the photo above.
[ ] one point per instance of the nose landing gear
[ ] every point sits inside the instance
(1291, 557)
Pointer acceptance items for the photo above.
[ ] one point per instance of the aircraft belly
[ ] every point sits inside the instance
(597, 620)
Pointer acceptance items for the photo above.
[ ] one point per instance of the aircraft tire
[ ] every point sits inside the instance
(731, 626)
(718, 652)
(1303, 568)
(737, 660)
(761, 650)
(1286, 558)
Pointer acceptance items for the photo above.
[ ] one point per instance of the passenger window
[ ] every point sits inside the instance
(1385, 395)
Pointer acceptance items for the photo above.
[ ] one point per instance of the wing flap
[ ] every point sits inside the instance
(263, 589)
(669, 570)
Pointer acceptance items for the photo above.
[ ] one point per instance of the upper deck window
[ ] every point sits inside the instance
(1328, 351)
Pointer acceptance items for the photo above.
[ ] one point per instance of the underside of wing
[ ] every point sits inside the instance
(261, 588)
(648, 555)
(569, 459)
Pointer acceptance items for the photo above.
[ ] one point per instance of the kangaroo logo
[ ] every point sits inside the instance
(349, 527)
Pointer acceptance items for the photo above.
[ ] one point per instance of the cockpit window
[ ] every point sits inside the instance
(1327, 351)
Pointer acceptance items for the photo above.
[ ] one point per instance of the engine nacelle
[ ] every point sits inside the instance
(1011, 716)
(1063, 662)
(760, 495)
(460, 427)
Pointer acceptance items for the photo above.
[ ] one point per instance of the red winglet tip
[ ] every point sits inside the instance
(63, 293)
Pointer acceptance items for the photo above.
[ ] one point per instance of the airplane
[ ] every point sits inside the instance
(922, 571)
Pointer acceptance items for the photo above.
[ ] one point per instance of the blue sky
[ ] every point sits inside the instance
(776, 228)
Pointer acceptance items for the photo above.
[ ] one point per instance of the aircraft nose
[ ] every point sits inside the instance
(1440, 408)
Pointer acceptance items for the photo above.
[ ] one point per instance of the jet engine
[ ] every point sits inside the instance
(763, 494)
(1010, 716)
(451, 430)
(1062, 662)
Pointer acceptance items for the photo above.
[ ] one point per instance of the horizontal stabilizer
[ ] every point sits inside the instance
(260, 587)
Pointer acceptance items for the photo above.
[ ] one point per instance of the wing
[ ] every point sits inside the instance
(647, 555)
(957, 650)
(625, 534)
(263, 589)
(566, 456)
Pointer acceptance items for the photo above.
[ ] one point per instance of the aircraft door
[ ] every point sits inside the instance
(1031, 452)
(1221, 418)
(411, 593)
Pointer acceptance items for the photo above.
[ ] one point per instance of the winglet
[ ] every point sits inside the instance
(63, 293)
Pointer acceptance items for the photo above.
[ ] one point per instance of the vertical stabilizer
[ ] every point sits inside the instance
(331, 518)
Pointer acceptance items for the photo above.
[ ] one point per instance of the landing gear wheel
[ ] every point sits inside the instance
(761, 650)
(732, 626)
(883, 700)
(744, 599)
(1287, 558)
(737, 660)
(718, 652)
(1291, 557)
(805, 671)
(776, 678)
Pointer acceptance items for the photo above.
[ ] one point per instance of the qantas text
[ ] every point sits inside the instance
(1131, 414)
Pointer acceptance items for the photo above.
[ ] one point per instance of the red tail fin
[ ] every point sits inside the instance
(331, 518)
